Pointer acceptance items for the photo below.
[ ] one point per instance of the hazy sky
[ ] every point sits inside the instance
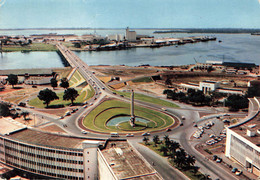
(132, 13)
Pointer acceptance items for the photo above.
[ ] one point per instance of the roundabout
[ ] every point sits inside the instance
(114, 115)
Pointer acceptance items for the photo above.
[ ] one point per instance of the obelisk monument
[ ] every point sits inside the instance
(132, 119)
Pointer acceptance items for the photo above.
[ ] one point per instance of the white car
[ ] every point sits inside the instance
(84, 132)
(129, 135)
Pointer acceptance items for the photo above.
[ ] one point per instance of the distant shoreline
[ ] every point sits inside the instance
(172, 30)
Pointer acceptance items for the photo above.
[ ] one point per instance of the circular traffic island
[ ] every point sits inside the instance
(114, 115)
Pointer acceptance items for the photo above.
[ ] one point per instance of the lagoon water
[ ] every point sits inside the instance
(234, 47)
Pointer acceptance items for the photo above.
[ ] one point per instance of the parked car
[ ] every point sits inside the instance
(219, 160)
(239, 172)
(234, 170)
(215, 157)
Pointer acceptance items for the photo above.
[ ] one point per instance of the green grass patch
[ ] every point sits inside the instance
(90, 92)
(149, 99)
(143, 79)
(31, 47)
(98, 117)
(126, 126)
(36, 102)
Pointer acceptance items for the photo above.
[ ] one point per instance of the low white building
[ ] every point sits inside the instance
(243, 139)
(208, 86)
(116, 37)
(38, 80)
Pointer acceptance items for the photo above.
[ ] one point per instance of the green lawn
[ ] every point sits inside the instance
(143, 79)
(98, 117)
(36, 102)
(148, 99)
(31, 47)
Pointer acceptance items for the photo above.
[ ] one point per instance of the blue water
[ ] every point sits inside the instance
(132, 13)
(234, 47)
(118, 120)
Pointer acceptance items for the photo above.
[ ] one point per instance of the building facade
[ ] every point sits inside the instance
(243, 140)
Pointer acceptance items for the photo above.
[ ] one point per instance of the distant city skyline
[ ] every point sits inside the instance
(132, 13)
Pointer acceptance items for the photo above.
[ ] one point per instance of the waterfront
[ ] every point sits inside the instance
(234, 47)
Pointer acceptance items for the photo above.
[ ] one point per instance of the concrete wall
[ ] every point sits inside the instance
(105, 172)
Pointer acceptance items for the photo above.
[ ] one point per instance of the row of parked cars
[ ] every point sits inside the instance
(197, 134)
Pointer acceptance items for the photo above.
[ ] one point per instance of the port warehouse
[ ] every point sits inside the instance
(65, 157)
(242, 143)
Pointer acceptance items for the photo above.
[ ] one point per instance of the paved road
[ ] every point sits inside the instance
(180, 134)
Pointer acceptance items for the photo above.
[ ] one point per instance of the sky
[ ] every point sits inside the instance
(133, 13)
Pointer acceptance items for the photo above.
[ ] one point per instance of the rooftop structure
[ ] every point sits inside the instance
(126, 162)
(243, 139)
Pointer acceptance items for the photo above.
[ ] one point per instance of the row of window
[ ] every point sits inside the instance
(44, 157)
(42, 165)
(44, 150)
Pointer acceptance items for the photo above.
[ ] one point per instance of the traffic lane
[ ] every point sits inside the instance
(207, 166)
(161, 164)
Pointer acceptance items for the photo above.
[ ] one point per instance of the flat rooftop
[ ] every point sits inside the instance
(127, 163)
(252, 125)
(8, 125)
(47, 139)
(19, 132)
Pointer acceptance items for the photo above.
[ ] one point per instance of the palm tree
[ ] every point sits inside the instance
(173, 148)
(190, 160)
(167, 140)
(146, 139)
(180, 159)
(156, 140)
(164, 150)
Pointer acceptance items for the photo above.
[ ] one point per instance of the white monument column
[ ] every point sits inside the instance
(132, 120)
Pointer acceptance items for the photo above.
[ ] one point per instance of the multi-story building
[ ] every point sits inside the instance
(130, 35)
(243, 139)
(63, 157)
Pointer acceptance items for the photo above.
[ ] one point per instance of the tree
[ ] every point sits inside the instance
(25, 114)
(167, 141)
(164, 150)
(4, 109)
(64, 83)
(180, 159)
(156, 140)
(190, 160)
(146, 139)
(12, 79)
(54, 83)
(195, 169)
(47, 96)
(70, 94)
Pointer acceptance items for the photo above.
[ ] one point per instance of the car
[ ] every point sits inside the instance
(226, 114)
(146, 134)
(215, 157)
(33, 86)
(85, 106)
(163, 109)
(219, 160)
(129, 135)
(68, 113)
(61, 117)
(239, 172)
(22, 104)
(195, 125)
(91, 104)
(183, 117)
(18, 109)
(84, 132)
(212, 135)
(234, 170)
(168, 130)
(181, 124)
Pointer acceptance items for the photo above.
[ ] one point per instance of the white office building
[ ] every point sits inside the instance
(243, 139)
